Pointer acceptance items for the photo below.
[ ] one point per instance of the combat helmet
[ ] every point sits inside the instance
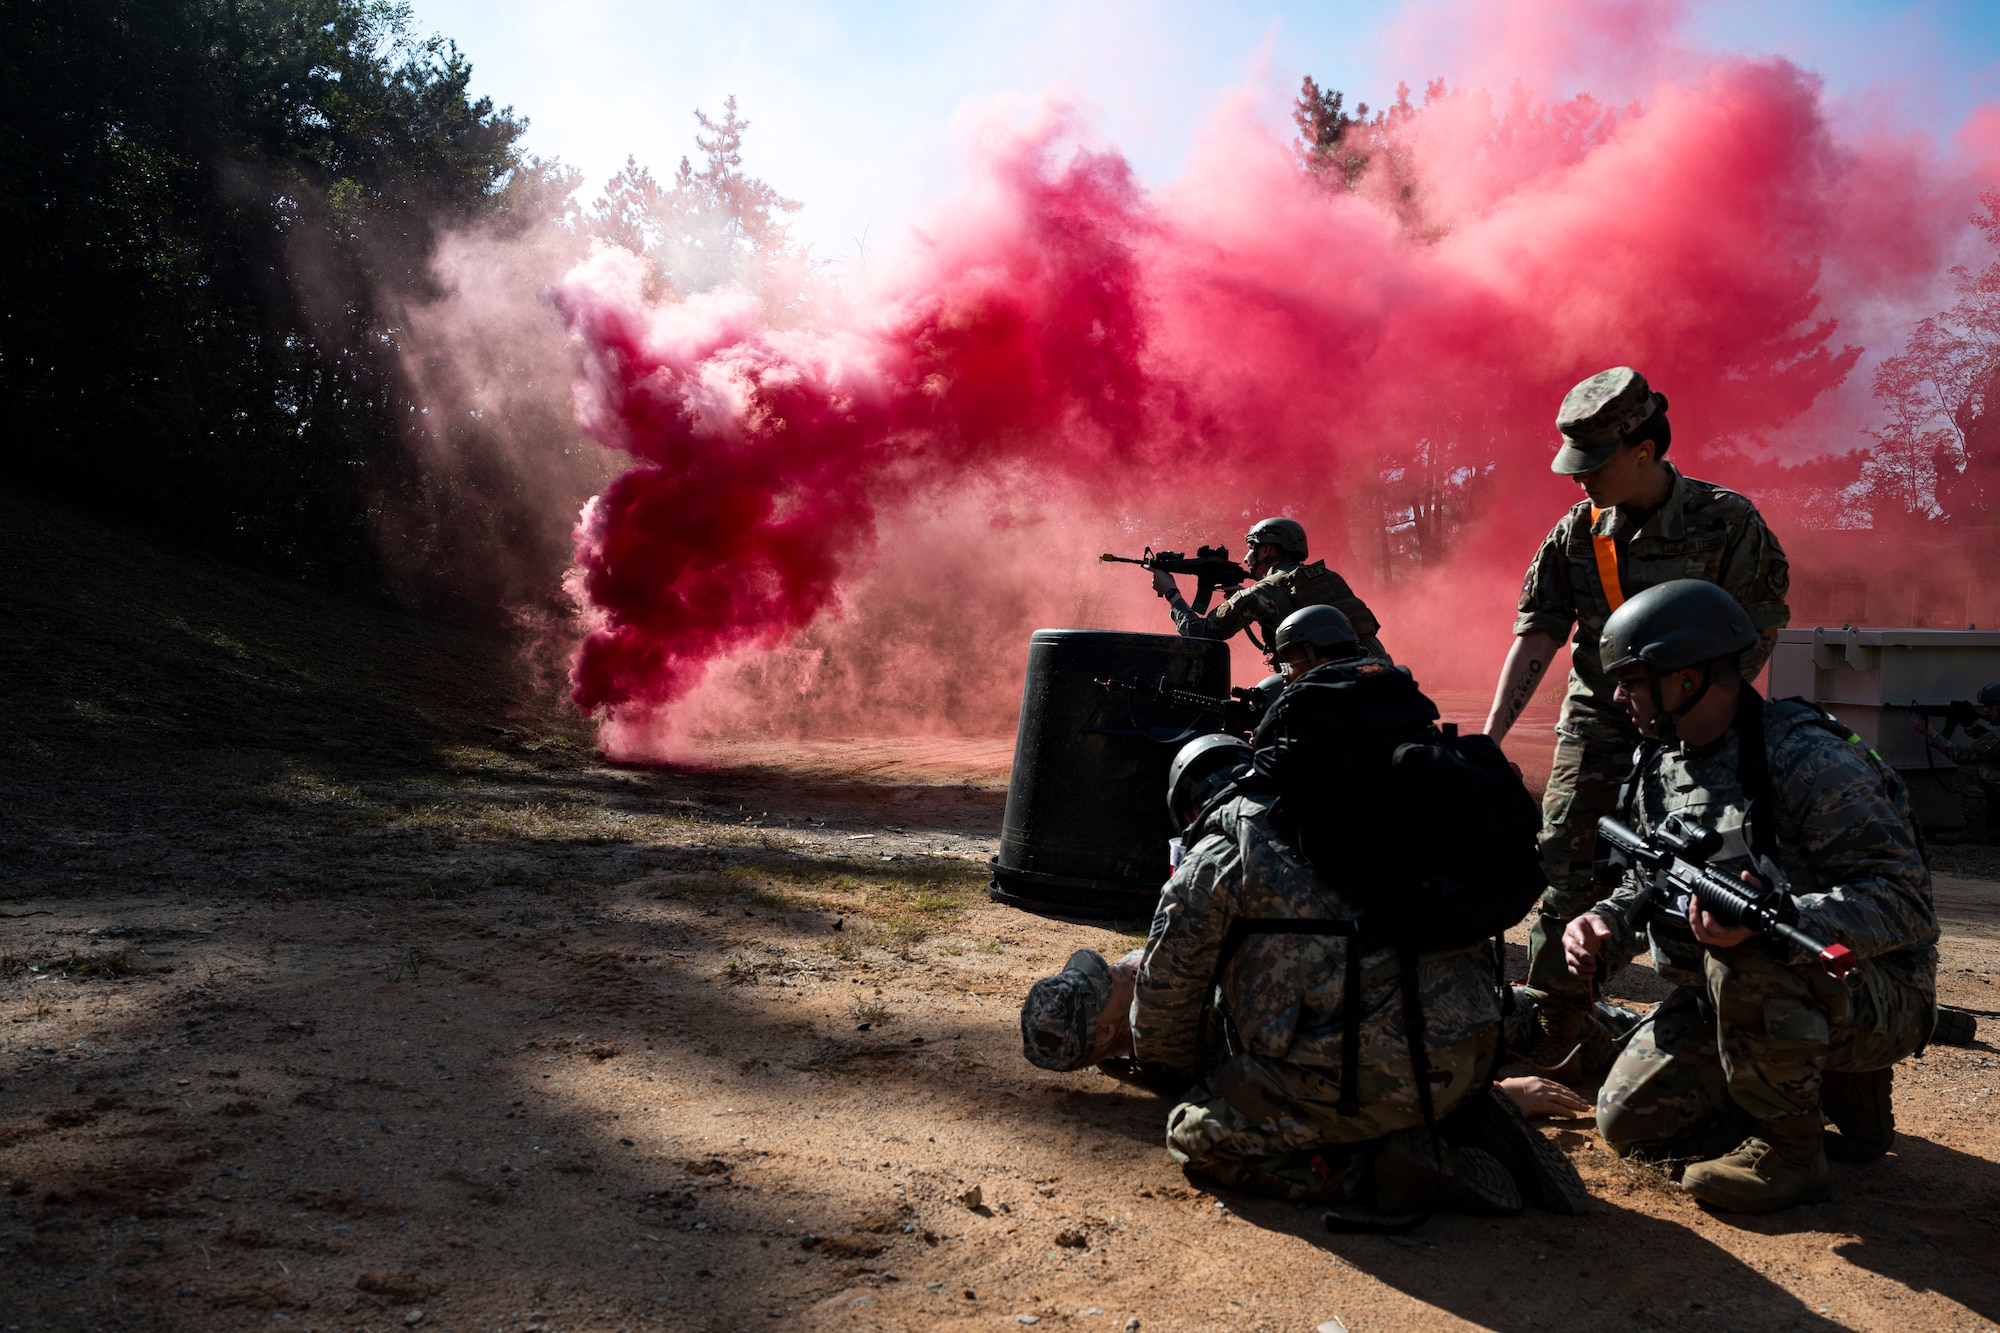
(1286, 534)
(1203, 767)
(1989, 694)
(1671, 626)
(1599, 415)
(1324, 630)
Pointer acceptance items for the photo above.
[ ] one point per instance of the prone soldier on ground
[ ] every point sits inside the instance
(1761, 1043)
(1285, 582)
(1641, 524)
(1977, 751)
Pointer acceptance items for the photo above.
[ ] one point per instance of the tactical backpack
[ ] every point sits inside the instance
(1431, 833)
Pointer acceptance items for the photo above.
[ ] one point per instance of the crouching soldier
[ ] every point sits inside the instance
(1741, 1068)
(1268, 1027)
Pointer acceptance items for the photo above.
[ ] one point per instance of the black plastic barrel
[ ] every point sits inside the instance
(1086, 828)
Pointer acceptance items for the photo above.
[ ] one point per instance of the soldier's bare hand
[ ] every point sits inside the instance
(1921, 724)
(1536, 1095)
(1583, 940)
(1163, 583)
(1712, 932)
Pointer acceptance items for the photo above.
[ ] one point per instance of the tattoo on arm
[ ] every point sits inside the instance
(1518, 700)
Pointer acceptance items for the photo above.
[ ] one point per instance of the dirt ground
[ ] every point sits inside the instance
(341, 987)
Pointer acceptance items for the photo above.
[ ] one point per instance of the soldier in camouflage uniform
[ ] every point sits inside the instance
(1266, 1116)
(1285, 583)
(1978, 753)
(1641, 523)
(1758, 1046)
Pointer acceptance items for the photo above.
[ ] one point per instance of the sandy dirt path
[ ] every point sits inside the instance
(726, 1048)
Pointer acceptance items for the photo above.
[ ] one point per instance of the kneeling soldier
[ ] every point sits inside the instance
(1759, 1046)
(1256, 1019)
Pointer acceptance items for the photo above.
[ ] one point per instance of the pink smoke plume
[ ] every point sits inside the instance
(1246, 339)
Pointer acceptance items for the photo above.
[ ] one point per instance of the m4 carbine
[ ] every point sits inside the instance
(1675, 857)
(1957, 713)
(1210, 565)
(1238, 713)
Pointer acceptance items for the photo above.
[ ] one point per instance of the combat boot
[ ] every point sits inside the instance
(1409, 1177)
(1490, 1122)
(1557, 1041)
(1782, 1163)
(1862, 1111)
(1331, 1175)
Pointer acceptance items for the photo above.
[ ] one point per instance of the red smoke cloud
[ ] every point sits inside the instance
(1246, 340)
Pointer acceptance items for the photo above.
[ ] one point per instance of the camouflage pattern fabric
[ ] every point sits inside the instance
(1978, 753)
(1782, 1027)
(1269, 600)
(1701, 531)
(1283, 995)
(1593, 756)
(1255, 1113)
(1847, 849)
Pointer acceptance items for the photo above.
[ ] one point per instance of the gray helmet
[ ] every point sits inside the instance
(1286, 534)
(1200, 769)
(1322, 627)
(1989, 694)
(1059, 1020)
(1673, 625)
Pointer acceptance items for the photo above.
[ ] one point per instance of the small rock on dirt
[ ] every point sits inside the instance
(973, 1197)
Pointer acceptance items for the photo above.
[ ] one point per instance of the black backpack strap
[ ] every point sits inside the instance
(1753, 768)
(1420, 1069)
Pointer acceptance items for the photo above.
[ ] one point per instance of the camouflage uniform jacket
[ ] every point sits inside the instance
(1283, 992)
(1978, 751)
(1845, 842)
(1268, 601)
(1701, 532)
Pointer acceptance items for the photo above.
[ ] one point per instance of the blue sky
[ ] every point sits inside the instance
(859, 110)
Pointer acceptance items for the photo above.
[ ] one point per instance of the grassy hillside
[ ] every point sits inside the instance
(149, 690)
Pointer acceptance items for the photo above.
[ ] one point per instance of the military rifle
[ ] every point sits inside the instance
(1239, 713)
(1957, 713)
(1676, 858)
(1210, 567)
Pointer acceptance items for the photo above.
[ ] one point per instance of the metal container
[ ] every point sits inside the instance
(1085, 831)
(1868, 678)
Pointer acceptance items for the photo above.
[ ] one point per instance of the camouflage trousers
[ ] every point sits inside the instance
(1755, 1043)
(1267, 1117)
(1593, 757)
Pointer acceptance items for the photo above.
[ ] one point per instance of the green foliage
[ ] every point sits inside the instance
(711, 226)
(211, 215)
(1938, 456)
(1322, 146)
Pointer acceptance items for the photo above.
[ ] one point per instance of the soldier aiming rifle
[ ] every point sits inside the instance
(1285, 583)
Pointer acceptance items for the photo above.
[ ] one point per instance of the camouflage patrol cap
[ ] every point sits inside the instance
(1989, 694)
(1059, 1020)
(1287, 534)
(1600, 414)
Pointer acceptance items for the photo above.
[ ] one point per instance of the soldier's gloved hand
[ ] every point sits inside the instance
(1712, 932)
(1583, 940)
(1163, 583)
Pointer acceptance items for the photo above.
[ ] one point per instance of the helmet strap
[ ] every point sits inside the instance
(1667, 723)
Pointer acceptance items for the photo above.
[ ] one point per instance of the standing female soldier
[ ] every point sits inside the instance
(1641, 523)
